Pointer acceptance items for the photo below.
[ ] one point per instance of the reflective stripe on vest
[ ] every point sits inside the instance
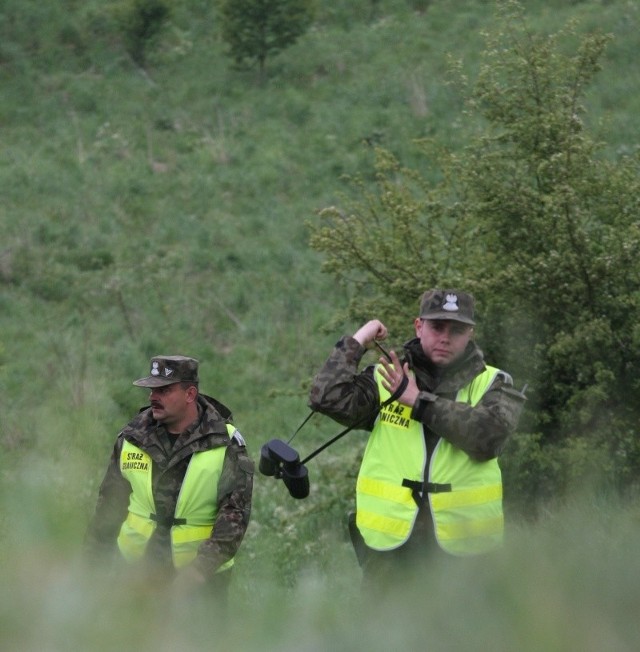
(196, 507)
(467, 520)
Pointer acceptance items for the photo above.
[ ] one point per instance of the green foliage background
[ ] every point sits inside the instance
(163, 205)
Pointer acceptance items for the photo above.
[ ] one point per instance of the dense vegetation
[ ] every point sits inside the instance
(156, 199)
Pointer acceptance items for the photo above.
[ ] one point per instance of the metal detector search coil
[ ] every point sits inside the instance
(279, 459)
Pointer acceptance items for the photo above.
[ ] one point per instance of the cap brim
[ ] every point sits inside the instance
(152, 381)
(449, 316)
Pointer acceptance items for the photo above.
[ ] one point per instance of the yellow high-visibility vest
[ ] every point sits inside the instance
(465, 495)
(196, 508)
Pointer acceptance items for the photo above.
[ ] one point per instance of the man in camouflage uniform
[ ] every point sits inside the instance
(160, 445)
(441, 367)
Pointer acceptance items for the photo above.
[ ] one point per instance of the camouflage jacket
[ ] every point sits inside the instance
(349, 397)
(170, 461)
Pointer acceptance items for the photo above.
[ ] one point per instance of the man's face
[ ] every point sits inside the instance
(170, 404)
(443, 340)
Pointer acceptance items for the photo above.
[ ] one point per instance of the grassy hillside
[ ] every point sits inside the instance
(164, 210)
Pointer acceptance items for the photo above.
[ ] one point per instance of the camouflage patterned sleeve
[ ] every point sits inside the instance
(111, 508)
(234, 509)
(480, 431)
(340, 392)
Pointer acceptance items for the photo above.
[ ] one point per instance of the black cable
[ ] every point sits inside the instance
(299, 428)
(391, 399)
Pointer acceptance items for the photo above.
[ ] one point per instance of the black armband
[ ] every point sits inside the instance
(422, 403)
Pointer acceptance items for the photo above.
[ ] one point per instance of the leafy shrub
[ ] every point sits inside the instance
(140, 21)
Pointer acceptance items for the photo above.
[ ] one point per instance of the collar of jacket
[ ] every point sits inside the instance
(447, 380)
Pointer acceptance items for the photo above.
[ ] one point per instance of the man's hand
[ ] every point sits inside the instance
(392, 374)
(372, 330)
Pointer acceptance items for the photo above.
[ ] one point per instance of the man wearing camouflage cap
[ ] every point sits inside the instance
(177, 491)
(439, 416)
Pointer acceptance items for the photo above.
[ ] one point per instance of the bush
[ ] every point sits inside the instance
(140, 22)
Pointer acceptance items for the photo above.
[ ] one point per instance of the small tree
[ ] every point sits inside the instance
(256, 29)
(559, 227)
(140, 21)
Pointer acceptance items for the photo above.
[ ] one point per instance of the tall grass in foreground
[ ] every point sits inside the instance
(570, 582)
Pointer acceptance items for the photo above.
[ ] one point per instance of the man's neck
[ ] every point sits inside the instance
(176, 430)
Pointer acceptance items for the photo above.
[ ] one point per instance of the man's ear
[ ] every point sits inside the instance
(192, 393)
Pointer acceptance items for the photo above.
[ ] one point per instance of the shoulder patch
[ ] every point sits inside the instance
(239, 439)
(508, 380)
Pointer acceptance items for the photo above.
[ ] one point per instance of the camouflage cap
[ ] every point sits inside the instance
(170, 369)
(447, 304)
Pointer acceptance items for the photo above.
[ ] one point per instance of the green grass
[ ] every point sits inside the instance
(569, 582)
